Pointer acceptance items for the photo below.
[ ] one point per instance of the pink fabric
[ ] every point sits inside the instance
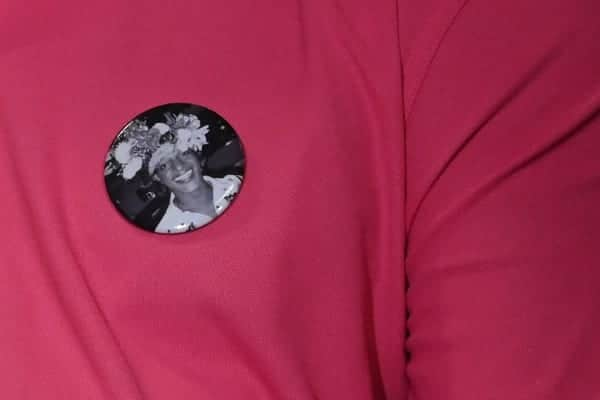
(429, 169)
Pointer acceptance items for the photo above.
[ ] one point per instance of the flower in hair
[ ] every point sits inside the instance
(139, 146)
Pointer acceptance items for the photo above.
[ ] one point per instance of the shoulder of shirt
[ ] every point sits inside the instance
(229, 178)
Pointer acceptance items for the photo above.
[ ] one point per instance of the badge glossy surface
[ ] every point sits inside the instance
(174, 168)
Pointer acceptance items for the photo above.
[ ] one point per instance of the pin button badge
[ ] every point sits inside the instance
(174, 168)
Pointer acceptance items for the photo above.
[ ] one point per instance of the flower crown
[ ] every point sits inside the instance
(140, 146)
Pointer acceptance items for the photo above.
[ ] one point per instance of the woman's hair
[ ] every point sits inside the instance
(140, 146)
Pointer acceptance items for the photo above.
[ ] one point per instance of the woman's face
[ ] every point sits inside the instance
(180, 172)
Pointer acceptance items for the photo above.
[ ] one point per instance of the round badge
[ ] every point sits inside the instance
(174, 168)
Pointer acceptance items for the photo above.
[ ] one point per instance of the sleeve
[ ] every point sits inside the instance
(503, 196)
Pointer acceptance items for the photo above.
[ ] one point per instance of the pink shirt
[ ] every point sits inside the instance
(419, 218)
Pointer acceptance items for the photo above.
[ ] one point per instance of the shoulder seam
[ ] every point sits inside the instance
(432, 53)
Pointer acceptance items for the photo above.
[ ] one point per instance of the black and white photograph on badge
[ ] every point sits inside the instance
(174, 168)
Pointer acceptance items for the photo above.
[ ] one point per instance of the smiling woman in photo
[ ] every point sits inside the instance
(196, 199)
(171, 152)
